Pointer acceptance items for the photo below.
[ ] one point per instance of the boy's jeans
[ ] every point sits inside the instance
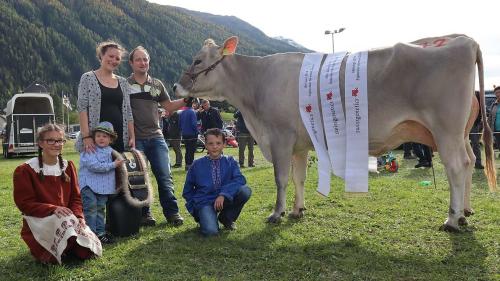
(156, 151)
(94, 206)
(207, 215)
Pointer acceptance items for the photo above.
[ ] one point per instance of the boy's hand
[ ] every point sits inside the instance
(219, 203)
(119, 162)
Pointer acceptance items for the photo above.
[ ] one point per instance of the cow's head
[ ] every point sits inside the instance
(202, 76)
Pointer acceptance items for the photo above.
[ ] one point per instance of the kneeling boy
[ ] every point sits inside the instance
(215, 190)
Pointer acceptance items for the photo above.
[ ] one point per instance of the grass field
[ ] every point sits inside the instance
(389, 234)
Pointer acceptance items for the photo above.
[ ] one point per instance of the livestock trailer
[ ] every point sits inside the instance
(25, 114)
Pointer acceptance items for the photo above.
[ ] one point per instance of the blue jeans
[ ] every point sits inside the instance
(93, 209)
(206, 216)
(156, 151)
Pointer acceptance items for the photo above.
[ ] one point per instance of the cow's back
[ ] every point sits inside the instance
(430, 86)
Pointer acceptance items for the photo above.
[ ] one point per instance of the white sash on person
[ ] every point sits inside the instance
(52, 233)
(356, 103)
(311, 116)
(333, 113)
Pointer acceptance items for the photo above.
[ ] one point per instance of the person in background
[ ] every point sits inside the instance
(209, 116)
(104, 96)
(189, 130)
(244, 138)
(494, 116)
(424, 155)
(146, 93)
(475, 137)
(97, 179)
(173, 136)
(407, 148)
(47, 187)
(215, 190)
(196, 105)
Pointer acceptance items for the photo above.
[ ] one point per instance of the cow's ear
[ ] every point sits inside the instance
(229, 46)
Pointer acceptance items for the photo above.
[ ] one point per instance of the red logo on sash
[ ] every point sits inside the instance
(308, 108)
(329, 96)
(355, 92)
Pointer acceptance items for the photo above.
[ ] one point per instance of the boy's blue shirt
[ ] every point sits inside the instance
(200, 188)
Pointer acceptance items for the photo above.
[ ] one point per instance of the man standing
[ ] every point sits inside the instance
(494, 116)
(244, 139)
(146, 93)
(209, 116)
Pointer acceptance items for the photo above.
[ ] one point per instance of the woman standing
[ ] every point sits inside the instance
(105, 96)
(46, 192)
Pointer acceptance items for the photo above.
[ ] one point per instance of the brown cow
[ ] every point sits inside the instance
(428, 85)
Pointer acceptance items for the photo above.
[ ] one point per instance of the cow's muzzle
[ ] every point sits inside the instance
(179, 90)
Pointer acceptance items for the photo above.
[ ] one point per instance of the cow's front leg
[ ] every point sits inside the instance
(457, 163)
(281, 160)
(299, 169)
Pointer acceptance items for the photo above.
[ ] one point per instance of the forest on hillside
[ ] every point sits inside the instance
(53, 42)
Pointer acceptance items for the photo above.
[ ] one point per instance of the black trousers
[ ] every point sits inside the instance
(243, 141)
(176, 146)
(407, 148)
(476, 147)
(190, 144)
(423, 152)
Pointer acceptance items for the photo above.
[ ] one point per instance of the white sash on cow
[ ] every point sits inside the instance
(311, 116)
(52, 233)
(333, 113)
(356, 103)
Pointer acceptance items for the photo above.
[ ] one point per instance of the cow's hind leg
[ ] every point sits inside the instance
(468, 211)
(281, 161)
(299, 168)
(457, 163)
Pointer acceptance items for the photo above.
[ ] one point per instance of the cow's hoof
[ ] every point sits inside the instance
(468, 212)
(449, 228)
(297, 215)
(273, 218)
(462, 221)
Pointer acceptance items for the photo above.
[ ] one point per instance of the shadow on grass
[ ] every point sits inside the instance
(24, 267)
(270, 254)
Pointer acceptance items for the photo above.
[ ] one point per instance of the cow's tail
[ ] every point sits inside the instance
(490, 171)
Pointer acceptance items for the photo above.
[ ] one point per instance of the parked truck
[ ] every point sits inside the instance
(25, 114)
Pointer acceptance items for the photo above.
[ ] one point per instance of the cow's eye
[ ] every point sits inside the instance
(196, 62)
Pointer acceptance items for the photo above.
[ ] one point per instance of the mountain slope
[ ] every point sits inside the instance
(53, 42)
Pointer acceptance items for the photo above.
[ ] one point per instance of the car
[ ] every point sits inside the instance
(73, 135)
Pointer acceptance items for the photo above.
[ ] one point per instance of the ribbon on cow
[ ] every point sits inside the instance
(311, 116)
(356, 104)
(333, 113)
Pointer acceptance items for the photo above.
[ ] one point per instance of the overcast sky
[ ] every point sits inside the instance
(369, 24)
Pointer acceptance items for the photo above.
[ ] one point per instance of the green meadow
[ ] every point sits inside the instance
(389, 234)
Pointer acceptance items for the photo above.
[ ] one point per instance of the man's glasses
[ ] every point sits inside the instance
(53, 141)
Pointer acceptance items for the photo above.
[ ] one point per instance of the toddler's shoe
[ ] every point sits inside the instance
(106, 238)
